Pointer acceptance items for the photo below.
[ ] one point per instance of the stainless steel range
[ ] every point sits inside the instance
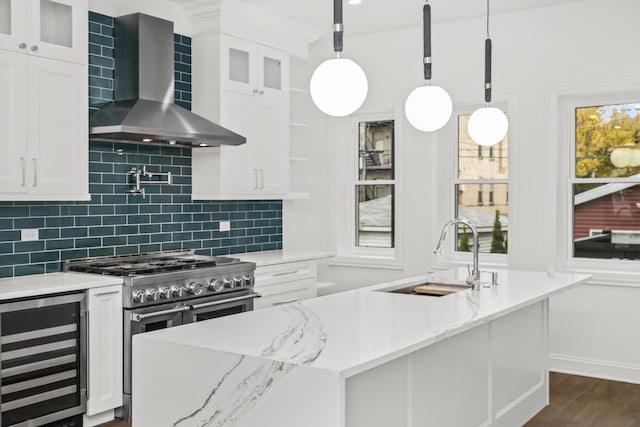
(167, 289)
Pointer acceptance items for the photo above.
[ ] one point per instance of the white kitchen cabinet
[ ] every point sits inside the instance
(55, 29)
(104, 306)
(285, 283)
(253, 69)
(247, 91)
(43, 129)
(43, 126)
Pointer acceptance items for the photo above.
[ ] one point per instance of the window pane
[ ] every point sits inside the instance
(476, 161)
(608, 141)
(487, 207)
(374, 204)
(607, 221)
(272, 73)
(375, 144)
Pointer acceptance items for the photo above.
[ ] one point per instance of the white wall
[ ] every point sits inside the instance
(568, 49)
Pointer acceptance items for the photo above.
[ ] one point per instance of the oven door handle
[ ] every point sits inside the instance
(136, 317)
(224, 301)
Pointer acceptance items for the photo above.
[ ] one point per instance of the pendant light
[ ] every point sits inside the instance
(428, 107)
(338, 86)
(488, 125)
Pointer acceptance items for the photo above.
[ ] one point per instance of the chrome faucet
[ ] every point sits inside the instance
(473, 279)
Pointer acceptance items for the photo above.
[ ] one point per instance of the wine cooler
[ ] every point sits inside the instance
(42, 359)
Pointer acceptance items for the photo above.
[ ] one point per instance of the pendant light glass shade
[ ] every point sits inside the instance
(428, 108)
(338, 87)
(488, 126)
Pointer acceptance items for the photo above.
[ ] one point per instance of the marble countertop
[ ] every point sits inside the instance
(52, 283)
(280, 257)
(350, 332)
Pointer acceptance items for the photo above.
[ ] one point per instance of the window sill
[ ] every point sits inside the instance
(361, 261)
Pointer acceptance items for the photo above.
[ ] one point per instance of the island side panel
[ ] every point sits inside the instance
(184, 386)
(519, 362)
(427, 387)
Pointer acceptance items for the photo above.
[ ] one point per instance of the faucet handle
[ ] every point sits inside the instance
(494, 278)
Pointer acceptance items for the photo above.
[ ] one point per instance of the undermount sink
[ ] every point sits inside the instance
(431, 289)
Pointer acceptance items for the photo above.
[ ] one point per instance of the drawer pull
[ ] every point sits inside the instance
(287, 301)
(285, 273)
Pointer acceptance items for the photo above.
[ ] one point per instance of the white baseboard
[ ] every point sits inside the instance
(615, 371)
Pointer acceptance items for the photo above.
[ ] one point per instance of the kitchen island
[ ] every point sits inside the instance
(360, 358)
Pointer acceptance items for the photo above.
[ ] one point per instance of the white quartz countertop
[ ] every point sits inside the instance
(350, 332)
(52, 283)
(280, 257)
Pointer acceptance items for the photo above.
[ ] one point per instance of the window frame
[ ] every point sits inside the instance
(488, 258)
(347, 253)
(568, 105)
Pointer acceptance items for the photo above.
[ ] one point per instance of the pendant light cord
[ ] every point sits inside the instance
(426, 34)
(338, 27)
(487, 63)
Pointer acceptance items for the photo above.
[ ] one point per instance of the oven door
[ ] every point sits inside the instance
(147, 319)
(220, 305)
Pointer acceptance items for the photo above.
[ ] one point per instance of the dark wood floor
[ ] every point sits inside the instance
(576, 402)
(589, 402)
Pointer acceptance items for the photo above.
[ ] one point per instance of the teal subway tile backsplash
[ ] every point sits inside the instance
(115, 222)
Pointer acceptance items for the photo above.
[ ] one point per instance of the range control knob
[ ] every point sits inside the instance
(152, 294)
(165, 292)
(228, 283)
(139, 297)
(195, 288)
(248, 280)
(216, 285)
(177, 291)
(238, 282)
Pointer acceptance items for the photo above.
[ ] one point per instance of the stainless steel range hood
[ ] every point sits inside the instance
(143, 110)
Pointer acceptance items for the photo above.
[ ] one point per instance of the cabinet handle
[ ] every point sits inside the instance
(34, 48)
(262, 179)
(22, 45)
(35, 172)
(87, 344)
(255, 174)
(285, 273)
(287, 301)
(255, 91)
(261, 92)
(24, 169)
(103, 293)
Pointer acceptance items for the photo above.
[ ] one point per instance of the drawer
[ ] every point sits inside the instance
(285, 293)
(284, 273)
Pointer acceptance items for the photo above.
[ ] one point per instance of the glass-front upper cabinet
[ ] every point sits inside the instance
(254, 69)
(54, 29)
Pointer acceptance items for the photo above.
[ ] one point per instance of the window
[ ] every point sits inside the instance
(375, 185)
(480, 180)
(605, 181)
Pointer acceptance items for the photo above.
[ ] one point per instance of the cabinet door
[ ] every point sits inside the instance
(105, 349)
(57, 130)
(57, 29)
(270, 148)
(238, 65)
(13, 34)
(238, 173)
(272, 72)
(13, 129)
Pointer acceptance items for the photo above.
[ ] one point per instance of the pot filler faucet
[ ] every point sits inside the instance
(474, 279)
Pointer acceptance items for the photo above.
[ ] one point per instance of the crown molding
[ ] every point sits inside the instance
(240, 20)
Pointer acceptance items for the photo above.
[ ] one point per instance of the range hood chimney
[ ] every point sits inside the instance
(143, 110)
